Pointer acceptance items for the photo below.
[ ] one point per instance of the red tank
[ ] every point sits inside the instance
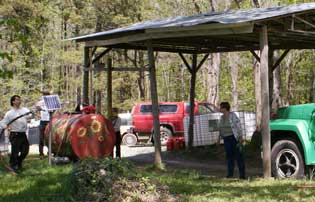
(81, 135)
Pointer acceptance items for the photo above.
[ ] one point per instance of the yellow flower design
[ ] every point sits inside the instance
(81, 132)
(61, 130)
(96, 126)
(100, 138)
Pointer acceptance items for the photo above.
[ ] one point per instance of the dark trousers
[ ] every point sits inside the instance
(42, 127)
(19, 149)
(118, 143)
(232, 153)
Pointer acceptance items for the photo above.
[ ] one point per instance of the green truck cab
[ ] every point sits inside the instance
(292, 141)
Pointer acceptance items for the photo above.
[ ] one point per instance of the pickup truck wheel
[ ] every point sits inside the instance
(129, 139)
(286, 160)
(165, 134)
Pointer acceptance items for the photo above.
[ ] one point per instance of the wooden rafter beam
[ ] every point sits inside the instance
(101, 55)
(302, 31)
(202, 61)
(255, 55)
(118, 69)
(94, 50)
(280, 60)
(185, 62)
(304, 21)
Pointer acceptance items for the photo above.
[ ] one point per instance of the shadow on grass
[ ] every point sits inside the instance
(37, 182)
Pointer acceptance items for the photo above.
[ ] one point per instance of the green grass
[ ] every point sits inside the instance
(37, 182)
(41, 182)
(193, 187)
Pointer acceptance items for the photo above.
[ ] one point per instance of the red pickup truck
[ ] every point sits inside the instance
(171, 118)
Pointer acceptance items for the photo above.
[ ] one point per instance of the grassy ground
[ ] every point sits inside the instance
(37, 182)
(193, 187)
(41, 182)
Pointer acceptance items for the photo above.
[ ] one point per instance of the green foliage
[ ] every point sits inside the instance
(5, 74)
(93, 179)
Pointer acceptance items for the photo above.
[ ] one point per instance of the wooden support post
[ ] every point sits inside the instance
(155, 106)
(270, 72)
(192, 102)
(86, 76)
(265, 128)
(91, 74)
(193, 69)
(109, 88)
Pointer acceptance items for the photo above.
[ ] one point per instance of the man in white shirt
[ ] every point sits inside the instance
(17, 128)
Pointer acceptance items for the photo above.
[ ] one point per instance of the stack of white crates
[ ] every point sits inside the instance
(206, 130)
(248, 123)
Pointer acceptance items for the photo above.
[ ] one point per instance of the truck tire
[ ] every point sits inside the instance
(129, 139)
(165, 134)
(286, 160)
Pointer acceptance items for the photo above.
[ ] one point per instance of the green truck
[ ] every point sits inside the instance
(293, 141)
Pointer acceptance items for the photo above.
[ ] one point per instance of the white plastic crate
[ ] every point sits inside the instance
(206, 127)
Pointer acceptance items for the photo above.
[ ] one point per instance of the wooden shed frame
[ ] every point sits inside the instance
(263, 29)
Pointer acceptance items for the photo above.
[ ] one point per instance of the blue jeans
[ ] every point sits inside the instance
(232, 153)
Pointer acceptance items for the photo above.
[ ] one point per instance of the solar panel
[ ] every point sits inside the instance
(52, 102)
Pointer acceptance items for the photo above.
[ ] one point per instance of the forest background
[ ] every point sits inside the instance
(35, 56)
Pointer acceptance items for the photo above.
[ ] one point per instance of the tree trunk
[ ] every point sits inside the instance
(288, 80)
(141, 81)
(270, 63)
(109, 88)
(256, 3)
(265, 128)
(165, 74)
(257, 95)
(312, 91)
(183, 89)
(213, 70)
(86, 76)
(234, 75)
(277, 88)
(155, 110)
(192, 102)
(98, 102)
(213, 5)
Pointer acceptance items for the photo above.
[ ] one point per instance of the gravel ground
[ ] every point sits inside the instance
(144, 155)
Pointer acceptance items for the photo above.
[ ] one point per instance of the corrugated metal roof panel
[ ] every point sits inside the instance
(228, 17)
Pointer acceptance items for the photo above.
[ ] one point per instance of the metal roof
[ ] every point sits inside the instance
(228, 17)
(194, 32)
